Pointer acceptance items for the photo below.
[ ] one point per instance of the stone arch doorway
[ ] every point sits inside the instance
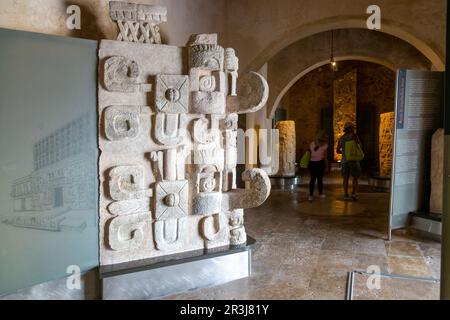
(297, 59)
(388, 27)
(309, 103)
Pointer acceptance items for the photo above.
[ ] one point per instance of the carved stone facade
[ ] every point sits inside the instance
(286, 131)
(344, 105)
(168, 138)
(437, 172)
(385, 144)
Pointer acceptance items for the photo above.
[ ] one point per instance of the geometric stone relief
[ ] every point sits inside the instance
(206, 56)
(169, 234)
(214, 228)
(122, 122)
(236, 225)
(127, 182)
(177, 144)
(137, 22)
(231, 67)
(171, 199)
(166, 128)
(121, 75)
(172, 93)
(129, 206)
(207, 102)
(253, 196)
(125, 231)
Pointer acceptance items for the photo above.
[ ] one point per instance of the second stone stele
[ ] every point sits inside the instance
(168, 140)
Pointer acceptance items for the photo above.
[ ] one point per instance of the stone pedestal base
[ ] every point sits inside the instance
(427, 222)
(381, 184)
(159, 277)
(285, 183)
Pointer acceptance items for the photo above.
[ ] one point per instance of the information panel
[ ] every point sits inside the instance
(419, 113)
(48, 158)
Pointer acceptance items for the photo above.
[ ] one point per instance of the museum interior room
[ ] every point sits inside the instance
(223, 150)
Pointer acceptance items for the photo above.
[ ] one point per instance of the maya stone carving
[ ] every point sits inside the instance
(168, 140)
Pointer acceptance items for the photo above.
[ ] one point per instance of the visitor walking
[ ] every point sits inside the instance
(318, 164)
(349, 146)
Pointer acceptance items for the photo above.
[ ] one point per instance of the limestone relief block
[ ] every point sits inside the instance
(156, 158)
(232, 66)
(125, 232)
(251, 197)
(238, 236)
(230, 122)
(221, 81)
(171, 199)
(210, 156)
(252, 94)
(122, 122)
(287, 148)
(437, 172)
(208, 188)
(386, 140)
(177, 144)
(214, 228)
(236, 218)
(204, 135)
(207, 83)
(129, 206)
(121, 75)
(170, 164)
(169, 234)
(206, 56)
(236, 224)
(127, 182)
(230, 158)
(137, 22)
(207, 203)
(203, 38)
(209, 179)
(231, 61)
(208, 102)
(172, 93)
(166, 129)
(229, 179)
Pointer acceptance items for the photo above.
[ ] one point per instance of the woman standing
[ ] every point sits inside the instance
(318, 164)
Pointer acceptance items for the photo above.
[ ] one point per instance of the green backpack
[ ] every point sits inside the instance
(304, 162)
(353, 151)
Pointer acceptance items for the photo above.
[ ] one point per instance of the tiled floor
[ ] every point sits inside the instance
(304, 251)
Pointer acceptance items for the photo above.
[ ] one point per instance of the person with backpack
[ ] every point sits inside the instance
(349, 146)
(318, 163)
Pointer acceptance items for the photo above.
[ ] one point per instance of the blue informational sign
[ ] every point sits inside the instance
(48, 158)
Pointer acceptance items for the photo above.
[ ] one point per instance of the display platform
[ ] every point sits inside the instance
(162, 276)
(380, 184)
(428, 222)
(285, 183)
